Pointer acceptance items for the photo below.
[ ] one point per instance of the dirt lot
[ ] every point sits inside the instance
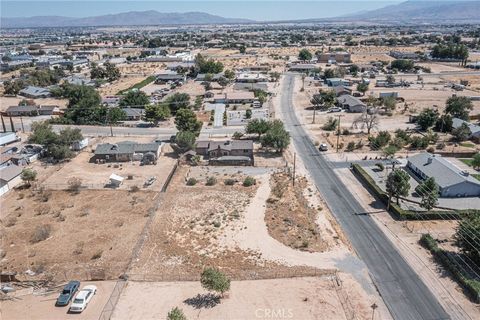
(67, 235)
(42, 307)
(98, 174)
(290, 218)
(183, 236)
(299, 298)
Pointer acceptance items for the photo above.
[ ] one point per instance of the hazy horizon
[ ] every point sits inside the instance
(264, 10)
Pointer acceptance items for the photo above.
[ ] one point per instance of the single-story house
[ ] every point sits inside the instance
(170, 76)
(134, 114)
(34, 92)
(351, 104)
(341, 90)
(12, 65)
(10, 176)
(452, 181)
(334, 57)
(78, 80)
(125, 151)
(250, 86)
(334, 82)
(233, 148)
(48, 110)
(259, 68)
(474, 129)
(27, 111)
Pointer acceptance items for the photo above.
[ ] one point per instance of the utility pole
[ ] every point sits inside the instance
(294, 166)
(11, 124)
(21, 121)
(314, 109)
(3, 124)
(338, 132)
(373, 306)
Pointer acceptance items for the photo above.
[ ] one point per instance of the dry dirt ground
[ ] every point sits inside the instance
(290, 218)
(182, 239)
(299, 298)
(85, 235)
(98, 174)
(6, 102)
(42, 307)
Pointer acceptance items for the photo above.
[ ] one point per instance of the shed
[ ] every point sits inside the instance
(115, 180)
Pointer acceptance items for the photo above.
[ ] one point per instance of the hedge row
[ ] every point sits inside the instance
(472, 287)
(408, 214)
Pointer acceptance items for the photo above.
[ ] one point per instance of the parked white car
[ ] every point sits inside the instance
(83, 298)
(334, 109)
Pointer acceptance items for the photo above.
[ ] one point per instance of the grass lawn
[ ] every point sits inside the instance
(468, 161)
(476, 176)
(467, 145)
(139, 85)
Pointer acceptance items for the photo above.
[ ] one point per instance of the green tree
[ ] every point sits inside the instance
(304, 55)
(461, 133)
(428, 191)
(68, 136)
(185, 141)
(28, 175)
(156, 113)
(444, 123)
(427, 118)
(389, 103)
(242, 49)
(476, 161)
(257, 126)
(214, 280)
(186, 120)
(389, 151)
(229, 74)
(398, 185)
(248, 113)
(402, 64)
(276, 136)
(13, 87)
(134, 98)
(390, 79)
(362, 87)
(112, 73)
(468, 236)
(459, 107)
(176, 314)
(178, 101)
(275, 76)
(207, 66)
(115, 115)
(42, 133)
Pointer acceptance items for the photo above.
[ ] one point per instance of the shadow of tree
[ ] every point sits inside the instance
(208, 300)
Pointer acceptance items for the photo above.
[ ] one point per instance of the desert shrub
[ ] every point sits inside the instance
(74, 184)
(191, 182)
(176, 314)
(134, 189)
(42, 210)
(431, 149)
(216, 224)
(346, 132)
(350, 146)
(211, 181)
(249, 181)
(330, 125)
(441, 146)
(41, 233)
(380, 166)
(418, 142)
(229, 182)
(11, 221)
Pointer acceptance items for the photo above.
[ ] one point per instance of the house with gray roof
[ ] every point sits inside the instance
(125, 151)
(34, 92)
(474, 129)
(229, 150)
(351, 104)
(10, 176)
(452, 181)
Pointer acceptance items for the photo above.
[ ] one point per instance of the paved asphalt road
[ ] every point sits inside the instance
(405, 295)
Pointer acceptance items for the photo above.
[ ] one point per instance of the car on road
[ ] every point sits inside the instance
(323, 147)
(83, 298)
(334, 109)
(67, 293)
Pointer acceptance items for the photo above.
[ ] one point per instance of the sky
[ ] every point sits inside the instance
(266, 10)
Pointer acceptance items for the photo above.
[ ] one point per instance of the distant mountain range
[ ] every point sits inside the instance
(409, 12)
(132, 18)
(424, 12)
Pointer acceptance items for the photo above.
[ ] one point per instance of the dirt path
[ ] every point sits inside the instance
(254, 236)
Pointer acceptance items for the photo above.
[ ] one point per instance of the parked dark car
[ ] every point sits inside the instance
(67, 293)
